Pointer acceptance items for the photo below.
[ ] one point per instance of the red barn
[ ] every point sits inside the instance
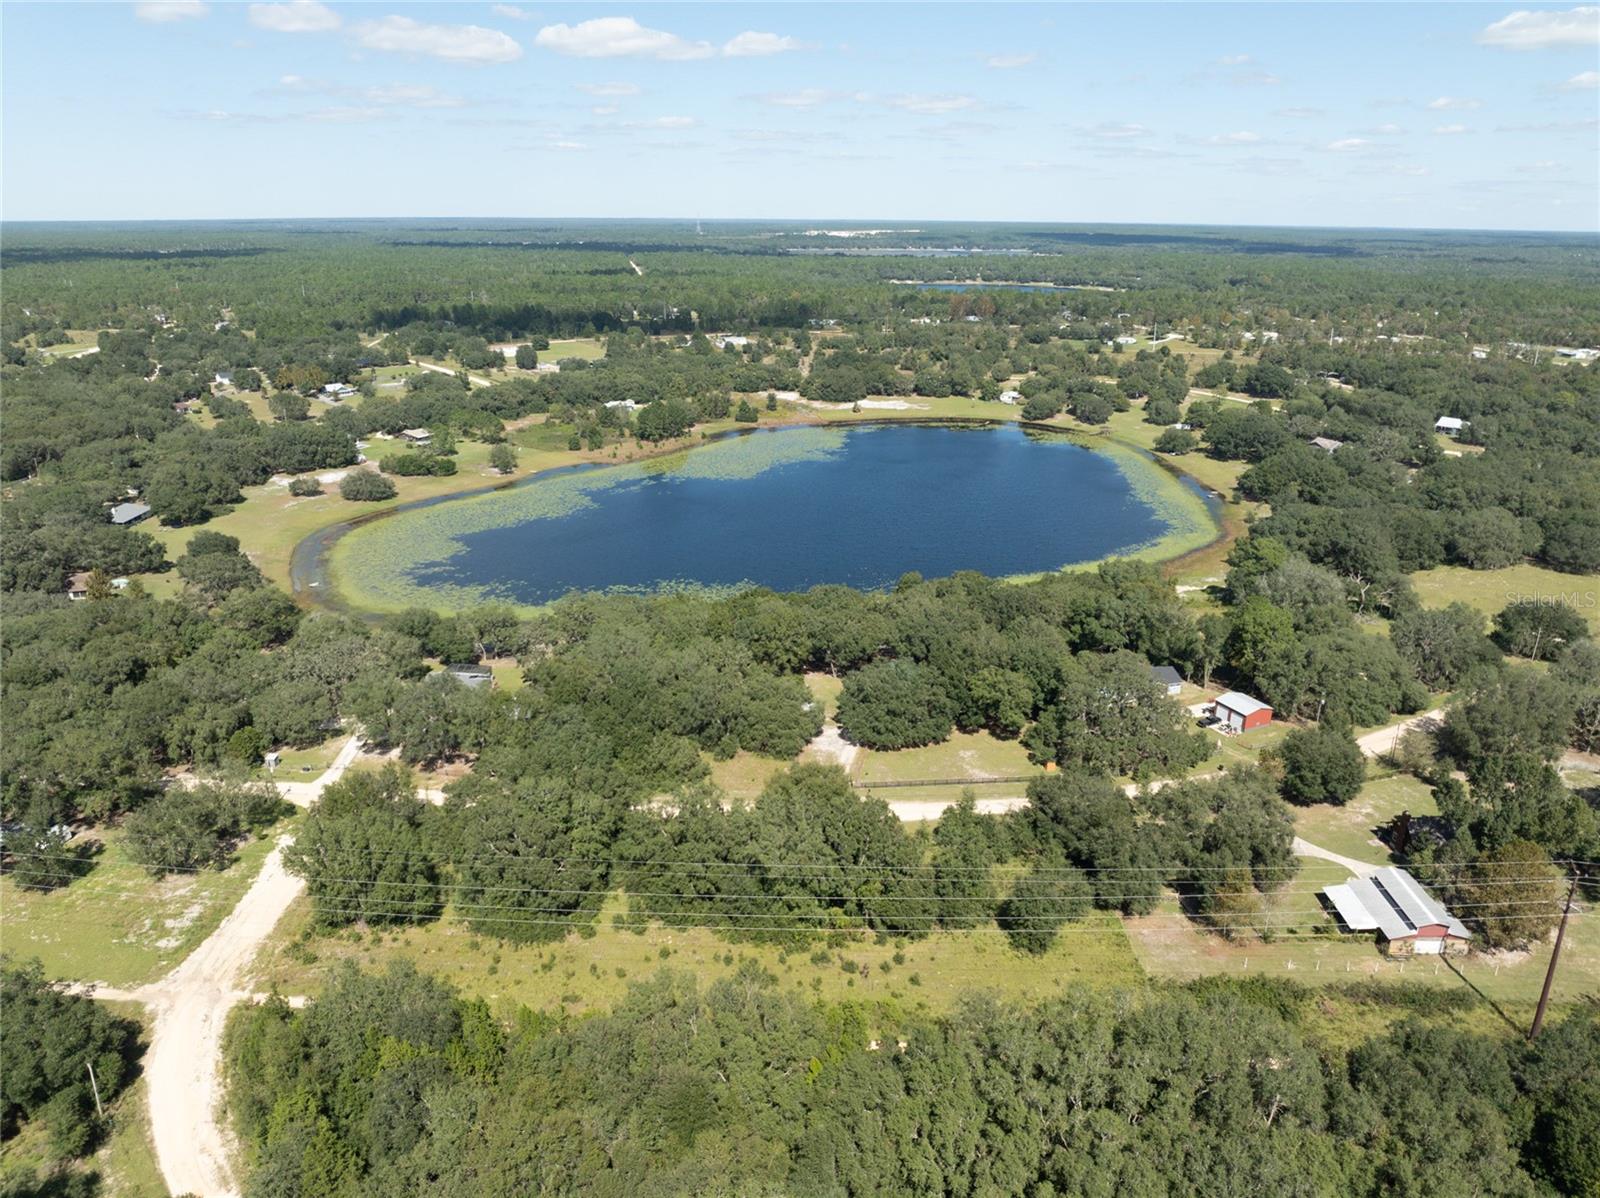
(1240, 713)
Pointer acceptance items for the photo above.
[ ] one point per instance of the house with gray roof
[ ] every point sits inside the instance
(129, 513)
(1409, 921)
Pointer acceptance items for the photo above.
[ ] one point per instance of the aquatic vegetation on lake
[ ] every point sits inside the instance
(788, 508)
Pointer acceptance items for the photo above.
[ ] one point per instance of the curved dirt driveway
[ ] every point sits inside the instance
(183, 1068)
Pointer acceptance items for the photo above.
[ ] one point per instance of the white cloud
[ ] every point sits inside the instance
(1300, 114)
(1524, 30)
(298, 16)
(1242, 138)
(1387, 129)
(411, 95)
(1348, 143)
(1009, 62)
(163, 12)
(751, 44)
(1233, 60)
(931, 105)
(604, 110)
(619, 37)
(453, 43)
(663, 122)
(608, 89)
(1450, 130)
(806, 97)
(348, 114)
(1584, 81)
(511, 12)
(568, 145)
(1118, 132)
(1452, 103)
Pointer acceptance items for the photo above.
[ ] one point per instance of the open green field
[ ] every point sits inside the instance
(271, 522)
(966, 756)
(1351, 830)
(590, 349)
(744, 775)
(1168, 946)
(592, 974)
(117, 924)
(1491, 590)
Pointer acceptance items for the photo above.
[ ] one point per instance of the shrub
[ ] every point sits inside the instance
(366, 486)
(303, 487)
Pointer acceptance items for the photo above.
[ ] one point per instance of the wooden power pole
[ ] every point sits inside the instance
(1555, 955)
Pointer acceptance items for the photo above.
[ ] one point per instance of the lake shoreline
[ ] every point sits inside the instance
(315, 577)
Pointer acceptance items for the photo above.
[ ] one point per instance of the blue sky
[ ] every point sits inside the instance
(1426, 115)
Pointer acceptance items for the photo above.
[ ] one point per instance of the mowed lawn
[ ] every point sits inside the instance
(271, 522)
(581, 974)
(1491, 590)
(117, 924)
(965, 757)
(1351, 830)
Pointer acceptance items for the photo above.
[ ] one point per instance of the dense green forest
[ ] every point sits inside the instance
(391, 1083)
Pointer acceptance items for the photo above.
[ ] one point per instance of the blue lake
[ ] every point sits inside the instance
(787, 509)
(992, 286)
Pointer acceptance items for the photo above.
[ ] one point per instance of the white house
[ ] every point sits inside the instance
(129, 513)
(1450, 426)
(1406, 917)
(1011, 397)
(736, 342)
(1168, 678)
(417, 436)
(1127, 340)
(338, 391)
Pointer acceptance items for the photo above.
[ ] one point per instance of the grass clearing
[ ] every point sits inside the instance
(744, 775)
(590, 349)
(1506, 985)
(965, 757)
(1491, 590)
(593, 974)
(117, 924)
(1351, 830)
(825, 690)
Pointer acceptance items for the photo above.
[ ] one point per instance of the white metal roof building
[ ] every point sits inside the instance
(1395, 905)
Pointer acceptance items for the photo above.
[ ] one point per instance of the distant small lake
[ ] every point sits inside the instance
(975, 286)
(787, 509)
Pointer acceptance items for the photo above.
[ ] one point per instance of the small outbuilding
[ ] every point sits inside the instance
(472, 675)
(1409, 921)
(417, 436)
(129, 513)
(1240, 713)
(78, 586)
(1450, 426)
(1327, 444)
(1167, 678)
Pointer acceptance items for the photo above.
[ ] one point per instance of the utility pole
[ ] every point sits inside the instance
(95, 1086)
(1555, 955)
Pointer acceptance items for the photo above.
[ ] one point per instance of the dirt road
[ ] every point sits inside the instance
(477, 380)
(1376, 744)
(183, 1068)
